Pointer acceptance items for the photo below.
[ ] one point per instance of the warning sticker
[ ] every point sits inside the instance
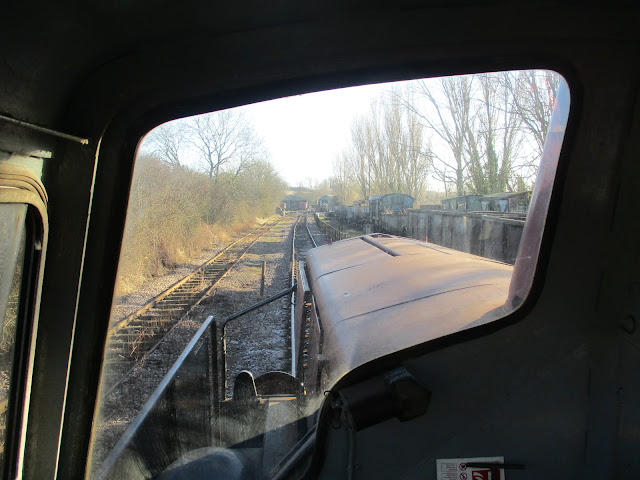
(459, 468)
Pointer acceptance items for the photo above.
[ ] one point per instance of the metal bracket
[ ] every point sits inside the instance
(396, 393)
(48, 131)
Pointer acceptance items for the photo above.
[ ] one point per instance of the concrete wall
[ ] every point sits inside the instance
(485, 235)
(393, 223)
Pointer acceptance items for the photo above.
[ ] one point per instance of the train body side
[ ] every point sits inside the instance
(378, 294)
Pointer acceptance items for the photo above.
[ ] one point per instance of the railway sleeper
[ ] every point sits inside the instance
(173, 303)
(193, 289)
(135, 337)
(215, 270)
(140, 331)
(213, 275)
(146, 320)
(169, 308)
(179, 293)
(189, 287)
(124, 338)
(143, 328)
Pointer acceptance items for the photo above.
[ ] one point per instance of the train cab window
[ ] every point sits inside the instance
(23, 234)
(12, 242)
(269, 248)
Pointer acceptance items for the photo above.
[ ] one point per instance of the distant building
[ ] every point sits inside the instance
(294, 202)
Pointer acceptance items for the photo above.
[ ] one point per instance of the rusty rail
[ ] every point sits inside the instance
(173, 409)
(154, 301)
(133, 338)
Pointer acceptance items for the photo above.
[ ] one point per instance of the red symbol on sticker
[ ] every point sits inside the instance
(484, 475)
(463, 476)
(463, 466)
(481, 475)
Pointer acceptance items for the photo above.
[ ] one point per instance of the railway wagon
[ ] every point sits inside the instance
(294, 203)
(327, 202)
(497, 202)
(352, 213)
(389, 203)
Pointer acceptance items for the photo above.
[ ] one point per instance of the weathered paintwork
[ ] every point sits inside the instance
(378, 294)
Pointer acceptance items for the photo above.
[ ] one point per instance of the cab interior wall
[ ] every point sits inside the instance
(540, 390)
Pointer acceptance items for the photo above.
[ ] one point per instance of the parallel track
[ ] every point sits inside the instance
(134, 337)
(302, 242)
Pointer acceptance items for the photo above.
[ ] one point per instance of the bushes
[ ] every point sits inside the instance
(175, 213)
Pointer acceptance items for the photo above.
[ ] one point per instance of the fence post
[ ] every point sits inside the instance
(264, 268)
(216, 393)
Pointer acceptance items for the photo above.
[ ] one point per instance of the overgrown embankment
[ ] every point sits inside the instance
(175, 213)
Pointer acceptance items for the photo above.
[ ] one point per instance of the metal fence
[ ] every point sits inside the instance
(330, 232)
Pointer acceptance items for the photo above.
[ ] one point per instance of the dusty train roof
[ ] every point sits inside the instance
(428, 290)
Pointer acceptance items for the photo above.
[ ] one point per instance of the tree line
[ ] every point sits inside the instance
(471, 134)
(196, 181)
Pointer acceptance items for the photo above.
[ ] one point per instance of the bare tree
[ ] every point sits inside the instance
(418, 158)
(534, 93)
(166, 142)
(492, 149)
(225, 141)
(340, 182)
(483, 122)
(387, 153)
(452, 120)
(361, 155)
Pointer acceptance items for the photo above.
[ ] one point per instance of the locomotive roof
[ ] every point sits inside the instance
(430, 291)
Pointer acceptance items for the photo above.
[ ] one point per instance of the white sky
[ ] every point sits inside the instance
(305, 133)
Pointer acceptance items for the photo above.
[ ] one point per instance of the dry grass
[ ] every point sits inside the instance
(142, 260)
(176, 213)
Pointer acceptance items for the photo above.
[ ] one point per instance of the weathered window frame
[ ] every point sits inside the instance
(18, 185)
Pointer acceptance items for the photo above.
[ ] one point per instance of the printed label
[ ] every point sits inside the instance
(457, 469)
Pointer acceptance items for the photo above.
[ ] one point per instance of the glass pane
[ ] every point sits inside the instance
(12, 242)
(418, 194)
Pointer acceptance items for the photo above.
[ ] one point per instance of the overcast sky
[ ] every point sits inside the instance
(305, 133)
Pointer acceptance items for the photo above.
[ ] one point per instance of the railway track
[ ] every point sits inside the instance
(258, 341)
(303, 240)
(133, 338)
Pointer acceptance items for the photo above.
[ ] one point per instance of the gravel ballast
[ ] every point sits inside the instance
(258, 341)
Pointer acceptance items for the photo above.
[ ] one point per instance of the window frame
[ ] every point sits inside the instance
(18, 185)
